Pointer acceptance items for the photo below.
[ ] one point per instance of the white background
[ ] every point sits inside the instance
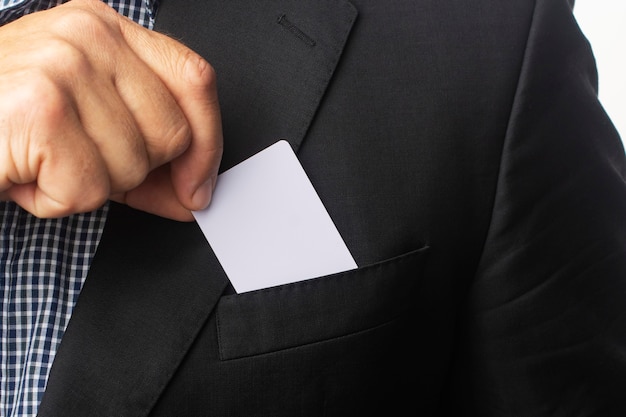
(604, 24)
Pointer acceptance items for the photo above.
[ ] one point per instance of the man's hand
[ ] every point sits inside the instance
(94, 106)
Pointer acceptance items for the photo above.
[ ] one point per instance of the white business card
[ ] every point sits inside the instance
(268, 226)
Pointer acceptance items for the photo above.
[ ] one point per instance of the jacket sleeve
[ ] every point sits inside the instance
(545, 323)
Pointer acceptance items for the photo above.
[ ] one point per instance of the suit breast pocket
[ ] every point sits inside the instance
(318, 309)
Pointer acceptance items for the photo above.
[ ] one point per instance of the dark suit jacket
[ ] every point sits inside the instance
(461, 151)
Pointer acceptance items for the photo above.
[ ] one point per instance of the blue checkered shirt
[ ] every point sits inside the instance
(43, 265)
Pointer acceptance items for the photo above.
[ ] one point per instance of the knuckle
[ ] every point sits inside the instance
(40, 105)
(129, 167)
(87, 17)
(80, 201)
(65, 60)
(132, 177)
(32, 115)
(197, 71)
(94, 26)
(139, 168)
(178, 138)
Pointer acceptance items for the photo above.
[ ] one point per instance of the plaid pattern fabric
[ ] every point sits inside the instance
(141, 11)
(12, 9)
(43, 265)
(7, 4)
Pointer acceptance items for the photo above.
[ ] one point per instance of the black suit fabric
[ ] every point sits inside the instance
(461, 151)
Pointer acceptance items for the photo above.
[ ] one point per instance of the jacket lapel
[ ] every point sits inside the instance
(273, 59)
(151, 287)
(154, 282)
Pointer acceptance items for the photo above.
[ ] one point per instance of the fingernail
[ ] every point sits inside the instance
(202, 196)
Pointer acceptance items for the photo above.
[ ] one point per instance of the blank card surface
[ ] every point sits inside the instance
(267, 225)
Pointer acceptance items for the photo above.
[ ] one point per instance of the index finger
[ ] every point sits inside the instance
(192, 82)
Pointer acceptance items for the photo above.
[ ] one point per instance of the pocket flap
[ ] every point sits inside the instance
(318, 309)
